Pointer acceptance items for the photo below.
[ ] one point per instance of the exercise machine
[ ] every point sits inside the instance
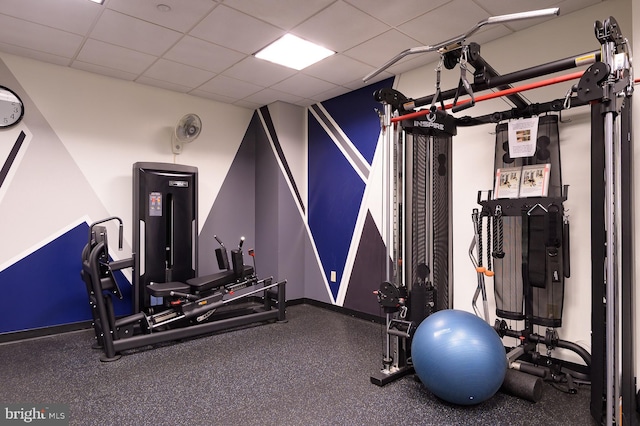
(165, 227)
(419, 227)
(198, 306)
(170, 300)
(606, 86)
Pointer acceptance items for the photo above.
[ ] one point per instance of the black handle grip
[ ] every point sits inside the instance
(463, 106)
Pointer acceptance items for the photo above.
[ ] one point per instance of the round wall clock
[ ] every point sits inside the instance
(11, 108)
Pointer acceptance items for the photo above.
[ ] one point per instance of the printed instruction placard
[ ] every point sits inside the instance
(523, 134)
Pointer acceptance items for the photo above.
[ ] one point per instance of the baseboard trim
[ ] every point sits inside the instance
(15, 336)
(336, 308)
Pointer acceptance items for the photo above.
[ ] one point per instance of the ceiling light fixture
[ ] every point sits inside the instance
(163, 7)
(97, 1)
(293, 52)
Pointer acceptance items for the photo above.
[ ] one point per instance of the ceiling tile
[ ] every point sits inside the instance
(162, 84)
(257, 71)
(246, 104)
(184, 14)
(306, 102)
(412, 62)
(34, 54)
(177, 73)
(489, 33)
(202, 54)
(442, 24)
(499, 7)
(38, 37)
(125, 31)
(568, 6)
(284, 14)
(227, 86)
(267, 96)
(75, 16)
(339, 27)
(382, 48)
(181, 49)
(338, 69)
(496, 8)
(107, 55)
(235, 30)
(213, 96)
(391, 13)
(303, 85)
(331, 93)
(110, 72)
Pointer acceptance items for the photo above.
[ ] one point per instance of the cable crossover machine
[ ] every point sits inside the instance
(526, 247)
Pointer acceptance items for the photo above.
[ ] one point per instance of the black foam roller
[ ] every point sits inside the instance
(522, 385)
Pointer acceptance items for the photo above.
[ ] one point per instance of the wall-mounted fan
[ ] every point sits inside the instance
(187, 130)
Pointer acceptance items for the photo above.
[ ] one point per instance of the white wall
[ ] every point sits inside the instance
(108, 124)
(473, 149)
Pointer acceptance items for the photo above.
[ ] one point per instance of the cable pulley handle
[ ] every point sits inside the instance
(463, 84)
(480, 268)
(489, 271)
(498, 233)
(437, 97)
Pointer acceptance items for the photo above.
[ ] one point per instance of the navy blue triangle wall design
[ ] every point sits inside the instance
(355, 113)
(335, 188)
(52, 278)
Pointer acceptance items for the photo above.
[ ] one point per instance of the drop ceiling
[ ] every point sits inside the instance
(204, 47)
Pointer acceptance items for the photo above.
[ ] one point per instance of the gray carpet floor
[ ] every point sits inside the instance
(312, 370)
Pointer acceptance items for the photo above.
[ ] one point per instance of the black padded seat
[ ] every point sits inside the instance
(211, 281)
(219, 279)
(165, 289)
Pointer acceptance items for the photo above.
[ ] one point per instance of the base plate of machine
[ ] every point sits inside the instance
(381, 378)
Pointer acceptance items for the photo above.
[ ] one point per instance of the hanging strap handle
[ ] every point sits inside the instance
(463, 84)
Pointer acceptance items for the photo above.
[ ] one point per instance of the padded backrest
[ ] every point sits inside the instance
(238, 263)
(222, 258)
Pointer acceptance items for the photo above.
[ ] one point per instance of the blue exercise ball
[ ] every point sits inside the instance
(459, 357)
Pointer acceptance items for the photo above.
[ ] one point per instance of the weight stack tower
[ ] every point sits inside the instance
(165, 227)
(423, 195)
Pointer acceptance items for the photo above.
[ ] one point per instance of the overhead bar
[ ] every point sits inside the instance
(501, 19)
(493, 95)
(490, 82)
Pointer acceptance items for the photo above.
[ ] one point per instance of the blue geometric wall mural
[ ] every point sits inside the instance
(51, 278)
(335, 186)
(355, 114)
(335, 193)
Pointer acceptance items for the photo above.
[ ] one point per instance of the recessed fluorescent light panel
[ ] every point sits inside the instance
(293, 52)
